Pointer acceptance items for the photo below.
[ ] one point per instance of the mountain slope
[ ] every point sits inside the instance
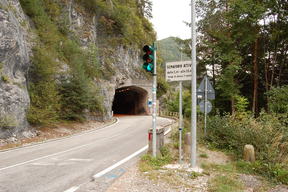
(169, 50)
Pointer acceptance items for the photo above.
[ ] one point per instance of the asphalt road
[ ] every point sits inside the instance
(60, 165)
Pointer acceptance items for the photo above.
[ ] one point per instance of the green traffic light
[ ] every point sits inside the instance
(148, 58)
(150, 67)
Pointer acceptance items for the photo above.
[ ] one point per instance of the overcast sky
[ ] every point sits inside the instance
(168, 17)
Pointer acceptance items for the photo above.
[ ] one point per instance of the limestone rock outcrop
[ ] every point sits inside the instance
(14, 63)
(17, 37)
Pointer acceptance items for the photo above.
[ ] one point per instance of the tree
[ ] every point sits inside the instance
(247, 35)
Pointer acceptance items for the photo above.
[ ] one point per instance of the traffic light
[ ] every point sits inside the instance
(148, 58)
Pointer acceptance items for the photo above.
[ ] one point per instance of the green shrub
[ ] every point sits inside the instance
(78, 93)
(120, 22)
(52, 96)
(266, 133)
(159, 161)
(223, 183)
(278, 99)
(5, 78)
(1, 66)
(8, 121)
(173, 103)
(42, 88)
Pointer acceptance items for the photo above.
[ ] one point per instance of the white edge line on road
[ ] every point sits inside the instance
(103, 172)
(72, 189)
(168, 131)
(51, 155)
(58, 139)
(32, 160)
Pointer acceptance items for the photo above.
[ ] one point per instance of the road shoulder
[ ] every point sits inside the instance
(51, 133)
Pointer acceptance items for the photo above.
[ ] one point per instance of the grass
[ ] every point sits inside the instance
(5, 78)
(194, 175)
(225, 183)
(225, 180)
(5, 8)
(226, 177)
(8, 121)
(149, 163)
(203, 155)
(227, 168)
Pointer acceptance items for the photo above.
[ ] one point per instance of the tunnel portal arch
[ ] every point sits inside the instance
(130, 100)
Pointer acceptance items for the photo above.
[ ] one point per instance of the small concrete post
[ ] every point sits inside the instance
(159, 140)
(249, 153)
(187, 144)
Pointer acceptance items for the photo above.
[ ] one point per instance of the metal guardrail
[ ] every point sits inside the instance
(168, 114)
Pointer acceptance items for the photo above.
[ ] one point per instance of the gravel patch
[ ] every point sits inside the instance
(279, 188)
(250, 181)
(134, 181)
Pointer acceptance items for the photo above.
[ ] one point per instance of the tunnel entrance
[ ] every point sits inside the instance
(130, 100)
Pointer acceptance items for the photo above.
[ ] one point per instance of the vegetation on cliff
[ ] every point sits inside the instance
(62, 77)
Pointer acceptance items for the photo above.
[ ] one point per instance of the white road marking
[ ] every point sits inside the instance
(72, 189)
(65, 163)
(83, 160)
(59, 139)
(51, 155)
(54, 154)
(103, 172)
(42, 164)
(168, 131)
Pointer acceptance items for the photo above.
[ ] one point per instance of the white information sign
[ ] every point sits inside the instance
(178, 71)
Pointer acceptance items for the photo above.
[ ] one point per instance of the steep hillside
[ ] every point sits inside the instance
(169, 50)
(63, 59)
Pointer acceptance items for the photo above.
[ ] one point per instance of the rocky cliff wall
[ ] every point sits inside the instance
(16, 32)
(124, 62)
(15, 52)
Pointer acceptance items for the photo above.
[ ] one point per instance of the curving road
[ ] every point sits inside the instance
(59, 165)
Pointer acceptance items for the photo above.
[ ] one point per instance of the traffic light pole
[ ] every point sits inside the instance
(154, 101)
(205, 106)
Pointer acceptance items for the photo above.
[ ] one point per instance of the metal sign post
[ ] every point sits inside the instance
(180, 115)
(205, 90)
(154, 101)
(193, 86)
(179, 71)
(205, 106)
(180, 121)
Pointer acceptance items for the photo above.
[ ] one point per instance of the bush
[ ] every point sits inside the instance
(121, 21)
(156, 162)
(278, 99)
(5, 78)
(44, 108)
(7, 122)
(266, 133)
(173, 103)
(78, 93)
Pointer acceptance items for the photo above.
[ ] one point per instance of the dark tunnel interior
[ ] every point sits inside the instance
(130, 100)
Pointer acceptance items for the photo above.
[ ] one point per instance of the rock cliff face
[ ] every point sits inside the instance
(15, 52)
(14, 63)
(124, 62)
